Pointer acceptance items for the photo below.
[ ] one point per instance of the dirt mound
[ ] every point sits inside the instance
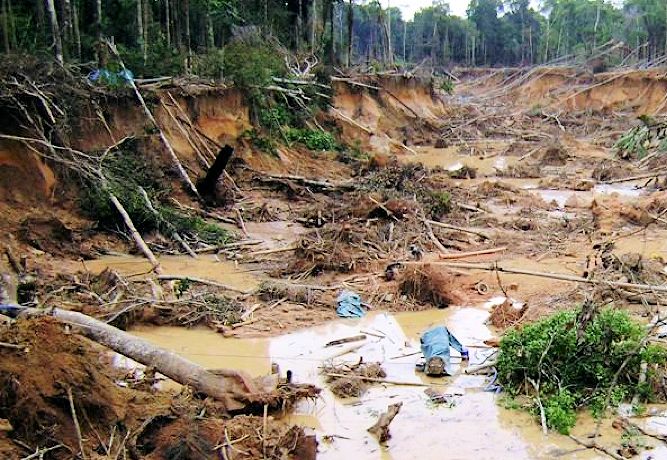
(507, 314)
(48, 234)
(430, 284)
(36, 381)
(554, 155)
(189, 437)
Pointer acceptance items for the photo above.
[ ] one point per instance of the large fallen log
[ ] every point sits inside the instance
(556, 276)
(233, 388)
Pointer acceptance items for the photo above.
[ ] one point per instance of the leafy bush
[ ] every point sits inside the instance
(640, 140)
(574, 372)
(313, 139)
(252, 65)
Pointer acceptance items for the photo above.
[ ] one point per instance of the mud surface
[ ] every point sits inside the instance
(520, 168)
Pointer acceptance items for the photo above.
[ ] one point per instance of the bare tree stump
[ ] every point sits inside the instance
(206, 185)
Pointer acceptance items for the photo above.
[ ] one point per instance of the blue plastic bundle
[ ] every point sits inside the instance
(348, 305)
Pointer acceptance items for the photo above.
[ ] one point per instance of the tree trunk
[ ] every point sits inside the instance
(163, 137)
(136, 236)
(299, 26)
(167, 20)
(332, 48)
(68, 32)
(5, 27)
(55, 31)
(99, 46)
(186, 7)
(177, 368)
(210, 36)
(77, 31)
(595, 27)
(206, 186)
(313, 26)
(140, 26)
(146, 38)
(350, 26)
(390, 49)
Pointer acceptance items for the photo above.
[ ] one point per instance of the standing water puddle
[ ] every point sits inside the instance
(474, 427)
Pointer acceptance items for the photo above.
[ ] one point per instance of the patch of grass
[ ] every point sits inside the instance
(262, 143)
(574, 371)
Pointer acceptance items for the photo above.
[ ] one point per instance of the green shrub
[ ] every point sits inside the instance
(125, 172)
(577, 372)
(252, 65)
(447, 85)
(312, 139)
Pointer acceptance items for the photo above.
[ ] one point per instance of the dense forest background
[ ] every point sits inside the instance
(169, 37)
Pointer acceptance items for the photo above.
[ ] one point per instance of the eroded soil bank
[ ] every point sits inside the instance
(520, 167)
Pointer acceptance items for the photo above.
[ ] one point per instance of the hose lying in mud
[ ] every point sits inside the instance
(233, 388)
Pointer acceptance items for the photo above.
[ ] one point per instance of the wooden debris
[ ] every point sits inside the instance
(202, 281)
(381, 428)
(141, 244)
(355, 338)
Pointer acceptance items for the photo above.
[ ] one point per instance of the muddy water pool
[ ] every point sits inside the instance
(473, 426)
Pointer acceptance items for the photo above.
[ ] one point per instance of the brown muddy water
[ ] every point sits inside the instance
(475, 425)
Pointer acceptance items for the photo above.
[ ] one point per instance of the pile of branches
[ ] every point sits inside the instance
(629, 268)
(348, 380)
(121, 302)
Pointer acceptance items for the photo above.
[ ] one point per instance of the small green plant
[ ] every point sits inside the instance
(442, 202)
(181, 287)
(577, 365)
(447, 85)
(313, 139)
(263, 143)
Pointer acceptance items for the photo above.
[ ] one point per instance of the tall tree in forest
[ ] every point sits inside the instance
(484, 14)
(350, 26)
(55, 31)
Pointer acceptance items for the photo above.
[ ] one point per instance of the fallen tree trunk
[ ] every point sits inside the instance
(141, 244)
(555, 276)
(165, 362)
(206, 186)
(151, 118)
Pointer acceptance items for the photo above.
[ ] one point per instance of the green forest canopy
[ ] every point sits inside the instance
(167, 37)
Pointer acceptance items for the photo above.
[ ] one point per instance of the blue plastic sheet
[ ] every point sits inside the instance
(106, 77)
(348, 305)
(10, 310)
(436, 342)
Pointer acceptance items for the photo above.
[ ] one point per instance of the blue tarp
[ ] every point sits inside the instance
(348, 305)
(107, 77)
(435, 343)
(10, 310)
